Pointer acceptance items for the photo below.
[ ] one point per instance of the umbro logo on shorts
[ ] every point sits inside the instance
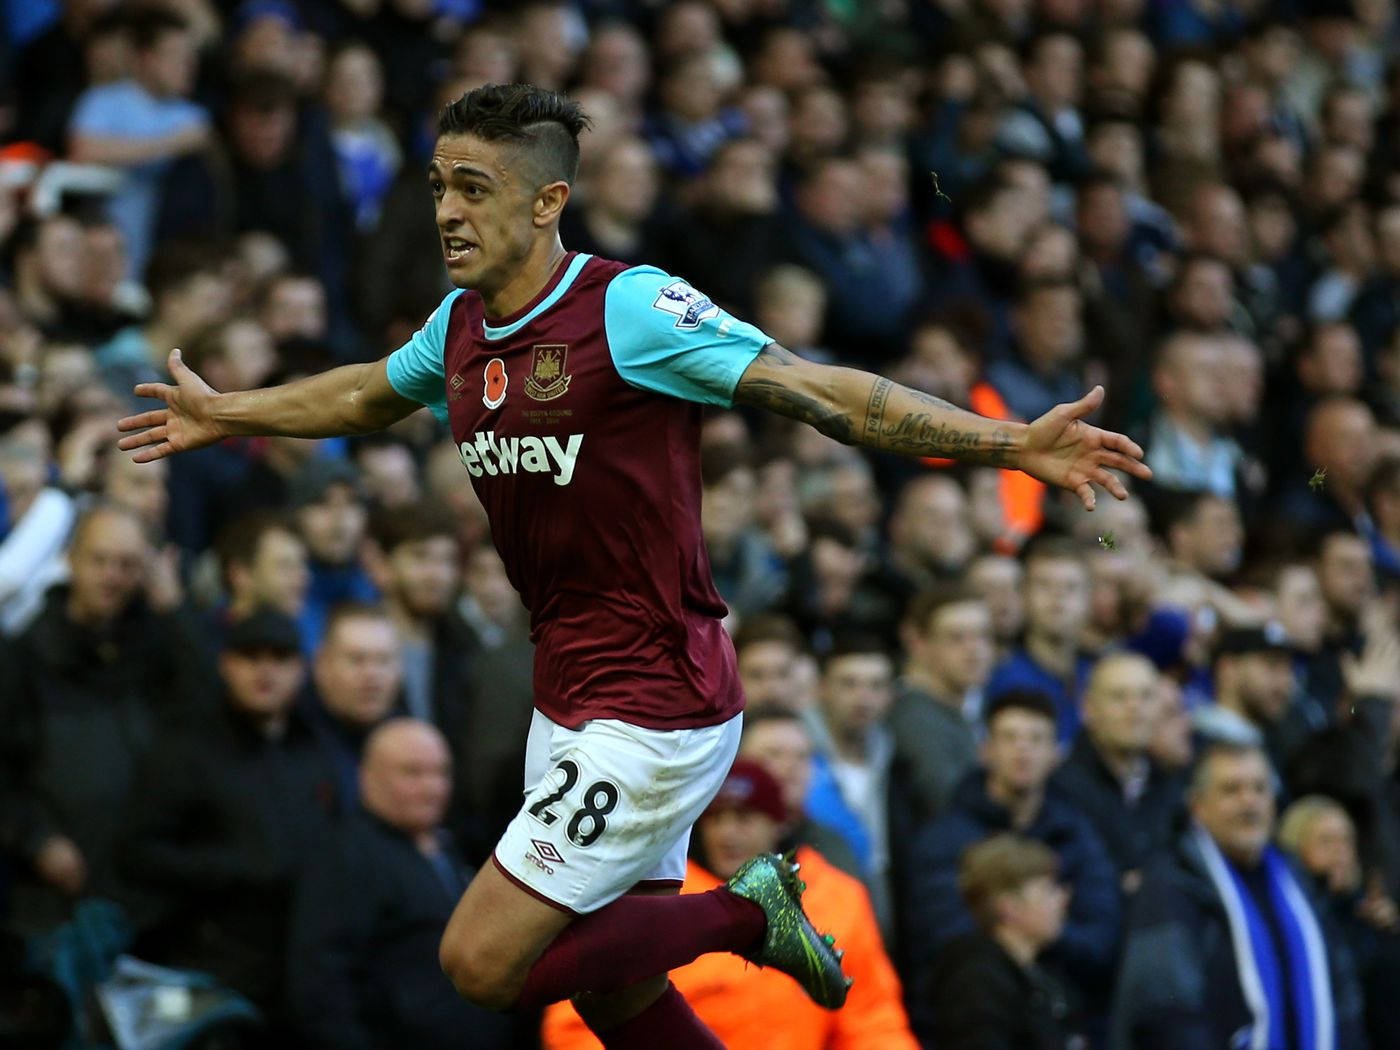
(547, 851)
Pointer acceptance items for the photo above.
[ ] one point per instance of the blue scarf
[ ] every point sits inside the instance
(1301, 982)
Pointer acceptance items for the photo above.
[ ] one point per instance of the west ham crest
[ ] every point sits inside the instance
(547, 379)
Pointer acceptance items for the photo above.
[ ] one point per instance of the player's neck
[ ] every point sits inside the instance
(539, 266)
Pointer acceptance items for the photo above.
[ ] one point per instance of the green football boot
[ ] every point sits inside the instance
(791, 944)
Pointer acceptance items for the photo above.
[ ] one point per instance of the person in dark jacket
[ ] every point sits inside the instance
(985, 991)
(1009, 793)
(1109, 775)
(1224, 948)
(362, 960)
(223, 816)
(83, 693)
(415, 561)
(356, 677)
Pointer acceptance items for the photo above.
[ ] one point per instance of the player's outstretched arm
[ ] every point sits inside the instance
(352, 399)
(858, 408)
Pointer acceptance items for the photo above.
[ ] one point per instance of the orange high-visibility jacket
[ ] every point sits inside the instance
(1022, 496)
(753, 1009)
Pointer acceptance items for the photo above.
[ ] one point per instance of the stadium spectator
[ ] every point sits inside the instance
(692, 120)
(747, 570)
(84, 690)
(617, 201)
(763, 1009)
(224, 815)
(1110, 775)
(1317, 832)
(189, 293)
(930, 537)
(947, 634)
(732, 232)
(766, 648)
(998, 580)
(1048, 332)
(1204, 535)
(356, 677)
(1188, 447)
(854, 753)
(1184, 981)
(827, 235)
(1010, 793)
(1253, 689)
(1339, 450)
(362, 952)
(43, 263)
(1373, 312)
(1382, 522)
(38, 518)
(780, 742)
(1055, 593)
(985, 988)
(325, 496)
(143, 124)
(367, 151)
(790, 305)
(1046, 124)
(502, 689)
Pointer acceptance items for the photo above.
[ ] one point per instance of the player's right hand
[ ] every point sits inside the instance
(186, 422)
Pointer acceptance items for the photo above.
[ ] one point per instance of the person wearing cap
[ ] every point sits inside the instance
(757, 1009)
(363, 971)
(330, 513)
(1254, 687)
(224, 814)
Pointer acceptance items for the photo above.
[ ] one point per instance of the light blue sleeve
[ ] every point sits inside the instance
(670, 339)
(416, 370)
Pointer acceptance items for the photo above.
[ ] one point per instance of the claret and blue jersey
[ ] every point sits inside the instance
(578, 419)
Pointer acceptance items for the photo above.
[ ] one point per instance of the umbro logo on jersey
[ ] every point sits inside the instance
(487, 454)
(683, 301)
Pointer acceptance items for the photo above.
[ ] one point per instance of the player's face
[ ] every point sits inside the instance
(484, 212)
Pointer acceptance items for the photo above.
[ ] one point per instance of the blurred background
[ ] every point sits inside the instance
(264, 705)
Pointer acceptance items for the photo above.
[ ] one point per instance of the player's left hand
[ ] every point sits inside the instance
(1061, 449)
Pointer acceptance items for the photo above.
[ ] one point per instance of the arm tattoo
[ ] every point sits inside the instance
(912, 433)
(875, 410)
(765, 393)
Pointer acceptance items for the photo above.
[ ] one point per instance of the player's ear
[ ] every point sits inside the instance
(549, 203)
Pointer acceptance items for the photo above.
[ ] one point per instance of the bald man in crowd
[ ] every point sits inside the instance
(1110, 776)
(363, 969)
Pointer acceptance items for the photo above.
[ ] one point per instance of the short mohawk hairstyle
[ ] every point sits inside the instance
(544, 123)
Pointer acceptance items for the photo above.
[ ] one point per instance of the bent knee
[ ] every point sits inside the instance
(491, 987)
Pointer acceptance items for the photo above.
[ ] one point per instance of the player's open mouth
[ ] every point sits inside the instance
(457, 249)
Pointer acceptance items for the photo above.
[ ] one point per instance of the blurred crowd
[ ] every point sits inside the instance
(1059, 779)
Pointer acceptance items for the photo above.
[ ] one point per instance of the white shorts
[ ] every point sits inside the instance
(609, 806)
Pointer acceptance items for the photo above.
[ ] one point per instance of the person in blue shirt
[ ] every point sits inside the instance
(143, 124)
(1055, 589)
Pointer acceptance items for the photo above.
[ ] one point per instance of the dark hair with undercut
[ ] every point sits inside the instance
(544, 124)
(1031, 701)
